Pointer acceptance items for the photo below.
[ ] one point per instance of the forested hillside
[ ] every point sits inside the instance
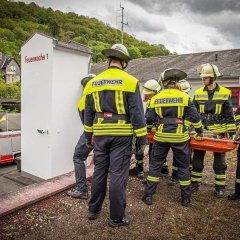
(19, 20)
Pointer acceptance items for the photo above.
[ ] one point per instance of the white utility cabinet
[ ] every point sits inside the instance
(51, 75)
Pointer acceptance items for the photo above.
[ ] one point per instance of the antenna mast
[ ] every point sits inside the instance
(122, 21)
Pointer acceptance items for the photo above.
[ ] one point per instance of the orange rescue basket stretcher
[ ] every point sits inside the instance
(207, 144)
(212, 144)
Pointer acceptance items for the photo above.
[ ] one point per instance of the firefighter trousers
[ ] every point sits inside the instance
(80, 155)
(150, 151)
(159, 154)
(175, 169)
(139, 158)
(219, 167)
(237, 181)
(111, 155)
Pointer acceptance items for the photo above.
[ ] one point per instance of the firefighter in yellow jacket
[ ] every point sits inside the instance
(214, 105)
(114, 111)
(81, 152)
(184, 86)
(150, 89)
(236, 195)
(172, 107)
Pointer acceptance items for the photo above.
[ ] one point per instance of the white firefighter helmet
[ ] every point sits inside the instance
(87, 78)
(117, 50)
(184, 86)
(208, 70)
(151, 87)
(173, 75)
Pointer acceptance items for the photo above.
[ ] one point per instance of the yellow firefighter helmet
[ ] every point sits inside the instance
(151, 87)
(117, 50)
(208, 70)
(184, 86)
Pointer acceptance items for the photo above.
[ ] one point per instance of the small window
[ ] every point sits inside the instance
(13, 68)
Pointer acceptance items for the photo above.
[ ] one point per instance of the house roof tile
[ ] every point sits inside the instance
(228, 62)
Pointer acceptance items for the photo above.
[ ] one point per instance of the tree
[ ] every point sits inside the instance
(3, 88)
(6, 34)
(54, 27)
(19, 20)
(12, 90)
(134, 52)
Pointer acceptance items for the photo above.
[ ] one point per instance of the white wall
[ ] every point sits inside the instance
(50, 92)
(36, 105)
(68, 70)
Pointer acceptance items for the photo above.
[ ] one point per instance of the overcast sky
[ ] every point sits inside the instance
(184, 26)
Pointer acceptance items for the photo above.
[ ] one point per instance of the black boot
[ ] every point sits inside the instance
(185, 202)
(93, 215)
(78, 194)
(219, 192)
(127, 220)
(234, 196)
(147, 199)
(185, 195)
(165, 170)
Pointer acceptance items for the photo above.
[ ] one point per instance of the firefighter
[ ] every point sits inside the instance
(236, 194)
(150, 89)
(172, 106)
(153, 84)
(114, 111)
(184, 86)
(213, 102)
(81, 152)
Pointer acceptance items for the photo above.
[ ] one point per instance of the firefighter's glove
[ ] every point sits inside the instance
(237, 136)
(232, 135)
(199, 136)
(237, 139)
(88, 140)
(190, 129)
(142, 141)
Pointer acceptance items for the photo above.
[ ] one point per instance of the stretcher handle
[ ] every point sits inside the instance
(219, 140)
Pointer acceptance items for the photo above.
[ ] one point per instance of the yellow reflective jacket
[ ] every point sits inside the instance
(237, 117)
(215, 108)
(114, 105)
(81, 107)
(172, 107)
